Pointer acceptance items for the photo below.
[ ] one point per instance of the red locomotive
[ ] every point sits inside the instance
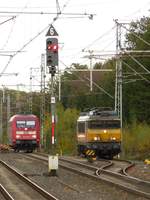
(24, 132)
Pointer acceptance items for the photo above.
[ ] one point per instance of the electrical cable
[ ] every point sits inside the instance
(136, 72)
(7, 20)
(100, 37)
(136, 35)
(32, 39)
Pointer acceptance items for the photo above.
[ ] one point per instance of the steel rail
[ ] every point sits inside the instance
(127, 183)
(5, 193)
(36, 187)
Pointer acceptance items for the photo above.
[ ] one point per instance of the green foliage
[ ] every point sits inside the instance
(47, 132)
(136, 95)
(136, 140)
(139, 29)
(66, 130)
(75, 87)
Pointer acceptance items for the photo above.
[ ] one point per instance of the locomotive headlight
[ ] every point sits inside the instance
(105, 131)
(33, 136)
(113, 138)
(31, 132)
(19, 132)
(81, 136)
(96, 138)
(17, 136)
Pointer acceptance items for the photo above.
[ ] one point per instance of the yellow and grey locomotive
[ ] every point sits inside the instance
(98, 131)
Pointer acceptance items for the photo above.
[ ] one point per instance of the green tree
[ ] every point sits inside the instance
(136, 95)
(66, 130)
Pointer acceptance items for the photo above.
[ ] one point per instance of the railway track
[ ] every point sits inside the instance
(18, 186)
(118, 166)
(5, 194)
(127, 183)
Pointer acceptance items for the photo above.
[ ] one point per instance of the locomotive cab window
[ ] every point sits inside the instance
(81, 127)
(104, 124)
(113, 124)
(30, 124)
(20, 124)
(25, 124)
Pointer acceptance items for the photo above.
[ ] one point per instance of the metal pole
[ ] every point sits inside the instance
(120, 89)
(59, 85)
(53, 159)
(91, 73)
(8, 110)
(116, 82)
(30, 97)
(52, 63)
(52, 114)
(42, 111)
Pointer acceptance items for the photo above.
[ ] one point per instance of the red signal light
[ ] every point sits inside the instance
(55, 47)
(52, 47)
(49, 47)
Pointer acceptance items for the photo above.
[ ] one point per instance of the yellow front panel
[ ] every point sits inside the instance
(103, 135)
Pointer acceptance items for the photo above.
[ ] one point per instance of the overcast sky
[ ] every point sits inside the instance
(27, 32)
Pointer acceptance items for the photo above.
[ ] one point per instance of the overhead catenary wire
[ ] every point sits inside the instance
(32, 39)
(135, 35)
(102, 89)
(139, 74)
(83, 50)
(92, 43)
(134, 53)
(9, 35)
(7, 20)
(100, 37)
(14, 21)
(46, 13)
(25, 45)
(139, 63)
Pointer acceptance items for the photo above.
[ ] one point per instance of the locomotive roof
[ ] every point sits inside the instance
(90, 118)
(97, 114)
(23, 116)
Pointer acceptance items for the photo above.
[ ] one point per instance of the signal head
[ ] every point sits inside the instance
(52, 52)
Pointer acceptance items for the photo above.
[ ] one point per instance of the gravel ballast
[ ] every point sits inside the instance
(67, 185)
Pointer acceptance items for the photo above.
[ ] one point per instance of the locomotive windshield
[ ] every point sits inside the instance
(103, 124)
(81, 127)
(25, 124)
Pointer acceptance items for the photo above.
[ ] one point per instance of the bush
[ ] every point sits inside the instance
(136, 141)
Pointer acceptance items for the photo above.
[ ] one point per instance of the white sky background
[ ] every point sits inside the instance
(75, 33)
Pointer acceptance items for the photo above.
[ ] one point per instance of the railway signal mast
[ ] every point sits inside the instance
(52, 64)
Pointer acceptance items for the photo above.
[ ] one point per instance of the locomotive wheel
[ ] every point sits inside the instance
(29, 151)
(110, 157)
(16, 150)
